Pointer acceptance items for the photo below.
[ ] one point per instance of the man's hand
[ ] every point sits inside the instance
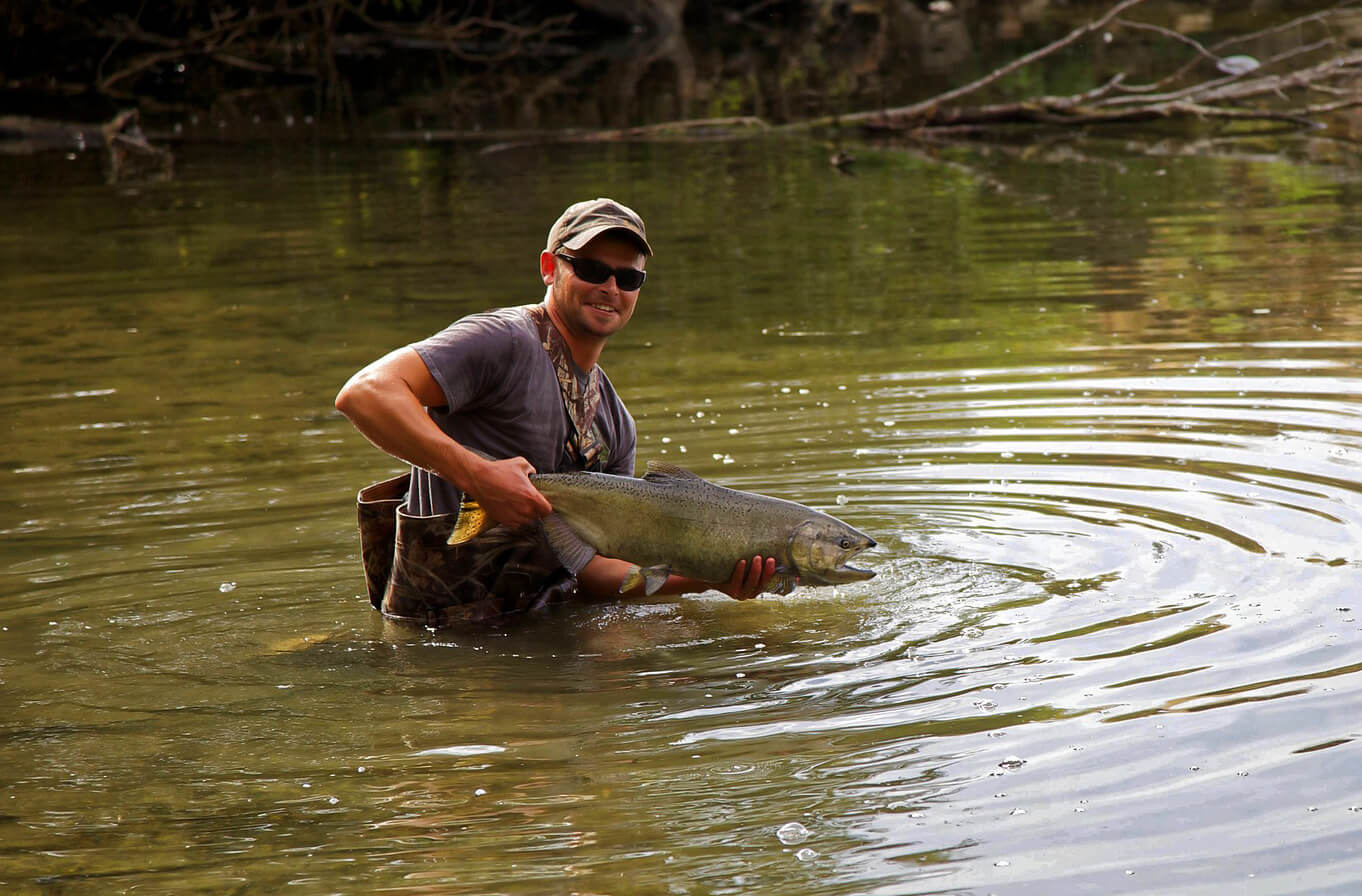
(750, 578)
(504, 490)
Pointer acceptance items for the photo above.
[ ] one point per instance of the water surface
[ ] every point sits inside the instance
(1101, 411)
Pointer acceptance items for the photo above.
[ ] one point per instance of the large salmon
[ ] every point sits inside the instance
(672, 520)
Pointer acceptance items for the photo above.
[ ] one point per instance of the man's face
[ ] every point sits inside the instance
(594, 310)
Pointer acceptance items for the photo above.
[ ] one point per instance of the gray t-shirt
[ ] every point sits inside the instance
(502, 398)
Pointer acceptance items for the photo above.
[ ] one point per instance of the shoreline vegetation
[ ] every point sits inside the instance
(506, 74)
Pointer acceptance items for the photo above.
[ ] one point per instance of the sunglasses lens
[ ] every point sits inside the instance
(591, 270)
(629, 279)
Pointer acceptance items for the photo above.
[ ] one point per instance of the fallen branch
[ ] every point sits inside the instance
(926, 108)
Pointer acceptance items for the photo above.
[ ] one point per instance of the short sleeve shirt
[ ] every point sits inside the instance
(502, 398)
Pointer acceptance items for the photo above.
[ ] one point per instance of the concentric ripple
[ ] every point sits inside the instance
(1159, 538)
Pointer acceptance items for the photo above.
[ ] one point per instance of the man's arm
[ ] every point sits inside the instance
(387, 402)
(602, 576)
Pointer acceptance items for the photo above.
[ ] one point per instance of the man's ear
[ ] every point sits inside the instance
(548, 263)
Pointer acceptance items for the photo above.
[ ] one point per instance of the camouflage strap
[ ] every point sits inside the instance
(584, 445)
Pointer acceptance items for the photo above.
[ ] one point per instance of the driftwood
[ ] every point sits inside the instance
(1299, 87)
(1246, 89)
(128, 154)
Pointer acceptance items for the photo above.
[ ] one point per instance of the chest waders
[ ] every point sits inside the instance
(411, 571)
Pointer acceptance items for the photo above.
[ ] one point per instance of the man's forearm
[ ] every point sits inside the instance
(602, 576)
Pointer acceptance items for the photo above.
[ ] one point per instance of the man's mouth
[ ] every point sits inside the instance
(604, 309)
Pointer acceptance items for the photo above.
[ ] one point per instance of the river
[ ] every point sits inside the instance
(1101, 408)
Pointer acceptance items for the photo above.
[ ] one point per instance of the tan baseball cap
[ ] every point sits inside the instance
(582, 222)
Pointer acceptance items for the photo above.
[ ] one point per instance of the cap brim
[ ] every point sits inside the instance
(590, 234)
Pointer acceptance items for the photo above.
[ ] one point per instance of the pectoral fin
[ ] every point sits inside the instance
(783, 582)
(567, 545)
(472, 522)
(652, 579)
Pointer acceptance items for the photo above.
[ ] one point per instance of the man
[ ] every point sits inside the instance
(493, 398)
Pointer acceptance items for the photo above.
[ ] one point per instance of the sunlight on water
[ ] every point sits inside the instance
(1108, 440)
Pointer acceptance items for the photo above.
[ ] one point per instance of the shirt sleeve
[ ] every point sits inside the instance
(467, 359)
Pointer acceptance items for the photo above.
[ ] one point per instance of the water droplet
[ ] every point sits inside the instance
(792, 832)
(806, 854)
(227, 586)
(1012, 762)
(1001, 863)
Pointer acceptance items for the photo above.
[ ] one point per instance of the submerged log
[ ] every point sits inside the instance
(128, 154)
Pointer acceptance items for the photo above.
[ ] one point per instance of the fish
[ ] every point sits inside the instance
(672, 520)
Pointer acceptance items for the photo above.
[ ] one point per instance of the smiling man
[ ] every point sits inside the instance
(481, 405)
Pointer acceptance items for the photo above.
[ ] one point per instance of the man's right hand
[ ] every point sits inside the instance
(504, 490)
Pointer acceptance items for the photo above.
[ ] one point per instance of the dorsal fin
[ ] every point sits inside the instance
(661, 471)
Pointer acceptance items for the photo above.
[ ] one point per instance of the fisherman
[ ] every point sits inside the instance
(481, 405)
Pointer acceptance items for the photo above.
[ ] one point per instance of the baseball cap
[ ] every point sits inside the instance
(584, 221)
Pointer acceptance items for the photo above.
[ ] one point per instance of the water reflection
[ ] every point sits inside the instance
(1104, 424)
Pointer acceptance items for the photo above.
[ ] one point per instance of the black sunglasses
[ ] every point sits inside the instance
(593, 271)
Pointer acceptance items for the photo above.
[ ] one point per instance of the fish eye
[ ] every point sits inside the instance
(846, 543)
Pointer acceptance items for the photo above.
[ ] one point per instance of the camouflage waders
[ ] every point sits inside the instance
(412, 573)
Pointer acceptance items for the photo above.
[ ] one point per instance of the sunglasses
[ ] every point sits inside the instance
(593, 271)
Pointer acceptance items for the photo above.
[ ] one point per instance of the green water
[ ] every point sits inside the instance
(1101, 412)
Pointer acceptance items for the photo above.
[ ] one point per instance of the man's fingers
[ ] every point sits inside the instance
(754, 577)
(768, 573)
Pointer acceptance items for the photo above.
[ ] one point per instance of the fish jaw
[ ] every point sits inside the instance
(822, 549)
